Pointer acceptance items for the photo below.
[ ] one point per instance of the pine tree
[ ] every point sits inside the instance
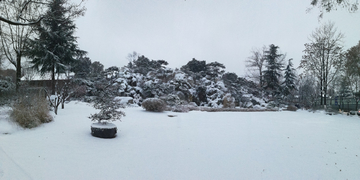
(55, 48)
(272, 72)
(289, 82)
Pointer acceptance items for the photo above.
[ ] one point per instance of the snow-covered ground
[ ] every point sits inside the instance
(194, 145)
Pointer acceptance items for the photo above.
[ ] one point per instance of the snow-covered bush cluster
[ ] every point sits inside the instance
(205, 84)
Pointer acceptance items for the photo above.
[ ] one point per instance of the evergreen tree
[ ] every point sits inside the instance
(55, 48)
(214, 70)
(272, 72)
(194, 66)
(289, 82)
(143, 65)
(81, 67)
(96, 68)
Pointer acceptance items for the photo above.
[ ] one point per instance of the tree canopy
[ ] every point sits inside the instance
(56, 47)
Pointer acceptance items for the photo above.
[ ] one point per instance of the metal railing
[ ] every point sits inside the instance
(341, 103)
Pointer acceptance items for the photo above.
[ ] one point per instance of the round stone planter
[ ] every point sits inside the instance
(103, 130)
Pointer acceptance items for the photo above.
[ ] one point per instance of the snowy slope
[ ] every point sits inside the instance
(194, 145)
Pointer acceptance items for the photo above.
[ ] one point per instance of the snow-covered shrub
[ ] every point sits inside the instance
(31, 111)
(108, 106)
(171, 100)
(215, 93)
(154, 104)
(291, 108)
(254, 102)
(272, 105)
(228, 101)
(79, 91)
(244, 101)
(200, 97)
(125, 101)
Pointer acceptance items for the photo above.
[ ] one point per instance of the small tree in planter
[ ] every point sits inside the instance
(109, 111)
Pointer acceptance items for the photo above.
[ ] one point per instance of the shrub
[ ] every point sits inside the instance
(154, 104)
(31, 111)
(79, 91)
(228, 101)
(171, 100)
(6, 85)
(108, 106)
(291, 108)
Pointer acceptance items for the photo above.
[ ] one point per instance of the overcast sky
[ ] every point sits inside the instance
(212, 30)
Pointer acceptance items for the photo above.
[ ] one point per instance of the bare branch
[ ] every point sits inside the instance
(19, 23)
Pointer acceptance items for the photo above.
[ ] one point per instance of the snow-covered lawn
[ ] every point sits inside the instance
(194, 145)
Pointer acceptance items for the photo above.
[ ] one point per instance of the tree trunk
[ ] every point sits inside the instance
(53, 80)
(261, 79)
(321, 92)
(18, 71)
(325, 89)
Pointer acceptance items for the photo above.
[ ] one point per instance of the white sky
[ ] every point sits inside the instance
(212, 30)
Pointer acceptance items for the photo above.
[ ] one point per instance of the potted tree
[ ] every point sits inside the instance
(109, 112)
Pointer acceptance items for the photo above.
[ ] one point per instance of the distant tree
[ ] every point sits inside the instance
(230, 78)
(323, 56)
(329, 5)
(351, 68)
(307, 91)
(96, 68)
(81, 67)
(194, 66)
(56, 47)
(112, 72)
(231, 82)
(235, 86)
(272, 72)
(256, 63)
(289, 79)
(143, 65)
(132, 57)
(215, 69)
(196, 69)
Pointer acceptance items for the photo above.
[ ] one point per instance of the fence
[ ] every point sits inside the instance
(344, 103)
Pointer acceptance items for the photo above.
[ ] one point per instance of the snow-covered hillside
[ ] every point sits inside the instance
(194, 145)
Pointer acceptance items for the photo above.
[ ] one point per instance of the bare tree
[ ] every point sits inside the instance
(19, 19)
(323, 56)
(22, 12)
(132, 57)
(13, 37)
(28, 72)
(329, 5)
(255, 64)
